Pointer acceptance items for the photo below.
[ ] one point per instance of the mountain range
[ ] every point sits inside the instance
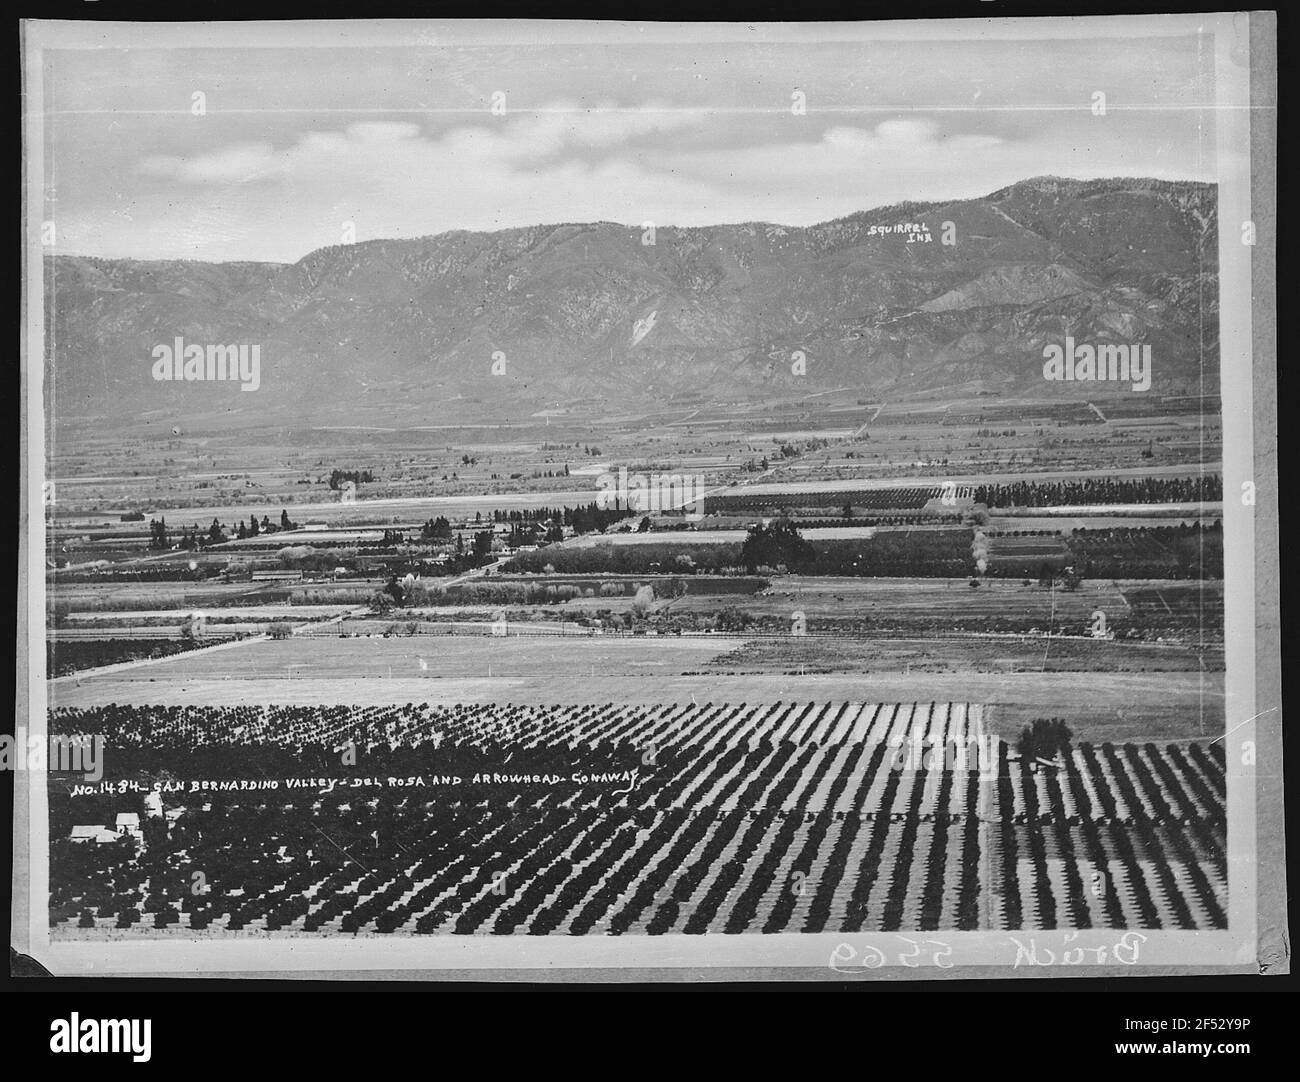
(955, 297)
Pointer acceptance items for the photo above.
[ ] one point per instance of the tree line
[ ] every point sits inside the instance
(192, 538)
(340, 477)
(1102, 490)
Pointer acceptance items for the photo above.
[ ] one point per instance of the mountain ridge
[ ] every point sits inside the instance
(531, 315)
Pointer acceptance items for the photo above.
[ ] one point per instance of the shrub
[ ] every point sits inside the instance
(731, 618)
(1043, 738)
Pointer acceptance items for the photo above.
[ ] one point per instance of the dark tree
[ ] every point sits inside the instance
(1044, 738)
(395, 591)
(436, 529)
(778, 542)
(158, 534)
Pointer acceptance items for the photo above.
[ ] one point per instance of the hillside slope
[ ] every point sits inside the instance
(593, 312)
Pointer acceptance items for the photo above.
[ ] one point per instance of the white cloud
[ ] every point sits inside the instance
(234, 165)
(566, 164)
(529, 136)
(383, 131)
(903, 137)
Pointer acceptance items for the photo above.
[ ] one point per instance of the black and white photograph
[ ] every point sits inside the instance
(505, 495)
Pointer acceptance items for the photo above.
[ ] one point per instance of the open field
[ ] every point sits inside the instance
(157, 596)
(921, 601)
(309, 658)
(451, 670)
(956, 653)
(234, 614)
(242, 598)
(145, 631)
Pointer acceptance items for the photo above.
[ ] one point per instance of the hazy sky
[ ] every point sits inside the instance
(401, 141)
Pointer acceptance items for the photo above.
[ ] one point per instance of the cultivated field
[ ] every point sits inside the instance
(668, 737)
(633, 819)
